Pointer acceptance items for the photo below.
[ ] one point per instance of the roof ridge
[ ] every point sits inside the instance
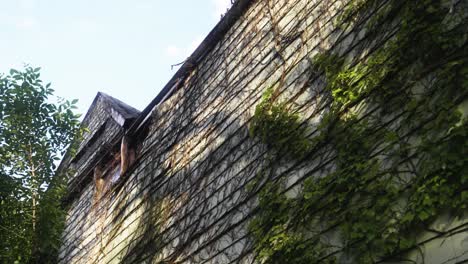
(115, 101)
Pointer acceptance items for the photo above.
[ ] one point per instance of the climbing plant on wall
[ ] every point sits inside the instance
(279, 127)
(396, 126)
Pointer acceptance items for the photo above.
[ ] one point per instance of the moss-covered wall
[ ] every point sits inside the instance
(193, 194)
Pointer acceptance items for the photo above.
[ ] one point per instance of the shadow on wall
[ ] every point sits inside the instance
(178, 193)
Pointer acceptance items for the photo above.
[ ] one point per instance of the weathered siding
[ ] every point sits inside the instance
(185, 199)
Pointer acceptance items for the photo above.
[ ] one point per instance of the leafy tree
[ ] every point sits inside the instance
(34, 134)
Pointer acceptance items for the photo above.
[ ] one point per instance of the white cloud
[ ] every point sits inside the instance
(173, 51)
(194, 44)
(220, 7)
(183, 52)
(26, 22)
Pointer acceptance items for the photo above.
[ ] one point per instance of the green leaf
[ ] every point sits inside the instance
(32, 134)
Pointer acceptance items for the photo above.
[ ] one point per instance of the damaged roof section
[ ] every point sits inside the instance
(103, 107)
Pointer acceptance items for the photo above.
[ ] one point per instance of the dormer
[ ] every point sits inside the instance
(102, 145)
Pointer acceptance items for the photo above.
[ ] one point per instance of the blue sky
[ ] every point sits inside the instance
(121, 47)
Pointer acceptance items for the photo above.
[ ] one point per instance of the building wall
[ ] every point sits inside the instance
(185, 199)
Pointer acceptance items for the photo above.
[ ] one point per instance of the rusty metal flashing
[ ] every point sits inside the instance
(217, 33)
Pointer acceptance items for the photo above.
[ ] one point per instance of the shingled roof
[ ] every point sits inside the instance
(125, 109)
(125, 113)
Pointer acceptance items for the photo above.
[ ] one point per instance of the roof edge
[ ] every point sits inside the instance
(215, 35)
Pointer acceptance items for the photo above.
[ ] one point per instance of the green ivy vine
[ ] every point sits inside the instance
(398, 133)
(279, 127)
